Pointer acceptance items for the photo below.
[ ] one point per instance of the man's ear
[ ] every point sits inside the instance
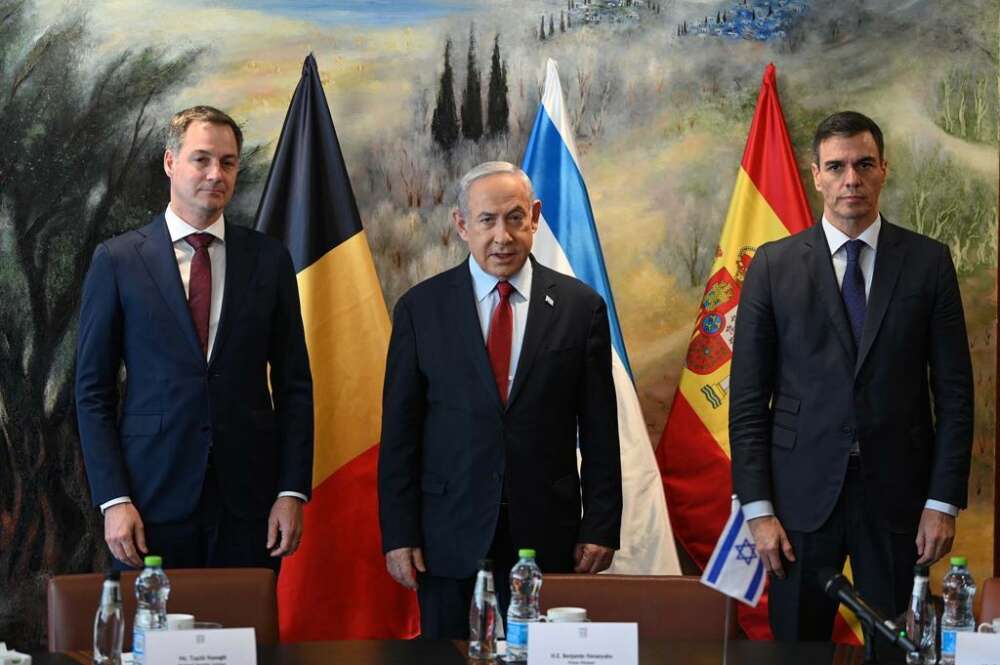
(815, 171)
(168, 163)
(459, 223)
(536, 214)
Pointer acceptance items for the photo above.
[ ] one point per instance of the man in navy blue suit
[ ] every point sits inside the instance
(206, 459)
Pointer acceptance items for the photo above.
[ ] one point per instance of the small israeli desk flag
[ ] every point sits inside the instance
(735, 569)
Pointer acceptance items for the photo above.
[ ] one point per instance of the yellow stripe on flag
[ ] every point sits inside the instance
(347, 332)
(750, 223)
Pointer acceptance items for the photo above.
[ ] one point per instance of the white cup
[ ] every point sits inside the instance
(993, 627)
(180, 621)
(566, 615)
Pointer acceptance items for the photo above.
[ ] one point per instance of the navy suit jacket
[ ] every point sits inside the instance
(449, 445)
(153, 442)
(801, 393)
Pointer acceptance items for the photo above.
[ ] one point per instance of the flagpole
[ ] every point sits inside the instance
(725, 636)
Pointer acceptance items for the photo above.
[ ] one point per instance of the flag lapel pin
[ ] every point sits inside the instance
(550, 301)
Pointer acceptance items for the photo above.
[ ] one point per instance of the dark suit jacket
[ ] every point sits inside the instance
(176, 405)
(801, 394)
(448, 442)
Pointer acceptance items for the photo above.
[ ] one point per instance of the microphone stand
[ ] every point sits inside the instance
(871, 658)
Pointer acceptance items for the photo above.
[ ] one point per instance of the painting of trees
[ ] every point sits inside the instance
(80, 161)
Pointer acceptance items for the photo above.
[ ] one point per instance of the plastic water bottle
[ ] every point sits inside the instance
(958, 589)
(525, 584)
(921, 621)
(152, 588)
(485, 624)
(109, 623)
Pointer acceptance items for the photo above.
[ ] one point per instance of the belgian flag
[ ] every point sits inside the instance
(336, 585)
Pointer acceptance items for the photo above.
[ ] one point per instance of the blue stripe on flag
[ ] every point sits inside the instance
(727, 546)
(758, 576)
(565, 205)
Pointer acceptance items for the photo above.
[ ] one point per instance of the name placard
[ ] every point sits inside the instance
(583, 643)
(977, 649)
(224, 646)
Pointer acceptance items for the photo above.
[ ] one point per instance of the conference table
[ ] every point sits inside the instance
(444, 652)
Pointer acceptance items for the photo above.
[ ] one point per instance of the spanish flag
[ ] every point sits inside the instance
(336, 585)
(768, 203)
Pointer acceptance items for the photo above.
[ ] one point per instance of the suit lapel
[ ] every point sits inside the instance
(540, 315)
(240, 259)
(826, 288)
(888, 263)
(157, 254)
(462, 310)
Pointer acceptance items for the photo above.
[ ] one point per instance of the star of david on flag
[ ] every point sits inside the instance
(735, 569)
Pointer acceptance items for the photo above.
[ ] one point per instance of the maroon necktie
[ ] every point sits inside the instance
(499, 340)
(200, 285)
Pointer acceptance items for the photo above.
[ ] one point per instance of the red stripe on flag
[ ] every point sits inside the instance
(842, 631)
(770, 161)
(336, 586)
(697, 480)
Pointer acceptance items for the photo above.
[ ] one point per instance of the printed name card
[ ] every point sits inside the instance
(583, 643)
(977, 649)
(224, 646)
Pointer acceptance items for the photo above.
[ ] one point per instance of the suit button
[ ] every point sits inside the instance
(497, 477)
(846, 429)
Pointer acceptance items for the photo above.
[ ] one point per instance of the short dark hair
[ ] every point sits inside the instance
(182, 119)
(847, 123)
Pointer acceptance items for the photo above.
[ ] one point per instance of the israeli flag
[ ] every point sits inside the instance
(567, 241)
(735, 569)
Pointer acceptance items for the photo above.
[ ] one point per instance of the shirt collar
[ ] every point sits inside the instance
(483, 283)
(836, 238)
(179, 229)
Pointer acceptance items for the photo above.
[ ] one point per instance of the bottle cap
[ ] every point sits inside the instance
(153, 561)
(959, 561)
(486, 564)
(526, 553)
(920, 571)
(113, 575)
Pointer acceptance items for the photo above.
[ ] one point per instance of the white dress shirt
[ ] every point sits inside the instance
(837, 241)
(487, 298)
(184, 252)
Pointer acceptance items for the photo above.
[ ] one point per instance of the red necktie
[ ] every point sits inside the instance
(200, 285)
(499, 340)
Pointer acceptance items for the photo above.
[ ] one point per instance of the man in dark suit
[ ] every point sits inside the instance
(494, 369)
(201, 461)
(844, 333)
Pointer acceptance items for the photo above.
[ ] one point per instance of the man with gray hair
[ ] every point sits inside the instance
(497, 369)
(207, 458)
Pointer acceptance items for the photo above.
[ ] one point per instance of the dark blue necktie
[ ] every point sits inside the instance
(853, 290)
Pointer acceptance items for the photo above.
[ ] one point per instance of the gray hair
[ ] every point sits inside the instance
(484, 170)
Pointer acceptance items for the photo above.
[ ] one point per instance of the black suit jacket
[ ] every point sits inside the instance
(448, 442)
(801, 394)
(176, 404)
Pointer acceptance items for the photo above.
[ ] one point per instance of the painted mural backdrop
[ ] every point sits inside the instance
(660, 95)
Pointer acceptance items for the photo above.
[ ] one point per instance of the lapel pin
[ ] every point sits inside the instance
(550, 301)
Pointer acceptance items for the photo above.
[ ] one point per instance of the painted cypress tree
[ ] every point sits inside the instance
(552, 26)
(444, 123)
(497, 107)
(562, 23)
(541, 30)
(472, 99)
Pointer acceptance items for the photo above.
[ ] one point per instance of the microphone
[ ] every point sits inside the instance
(837, 587)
